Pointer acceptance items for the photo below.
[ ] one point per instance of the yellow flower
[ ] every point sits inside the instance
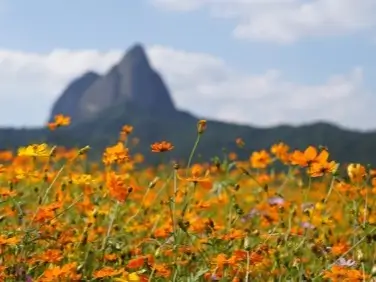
(356, 172)
(131, 277)
(81, 179)
(36, 150)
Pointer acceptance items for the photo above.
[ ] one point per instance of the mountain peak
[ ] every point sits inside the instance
(131, 81)
(136, 51)
(137, 48)
(135, 57)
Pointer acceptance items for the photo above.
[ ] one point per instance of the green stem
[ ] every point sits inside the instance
(193, 151)
(330, 190)
(283, 185)
(308, 189)
(139, 210)
(110, 227)
(46, 194)
(28, 228)
(151, 275)
(174, 202)
(188, 198)
(365, 208)
(247, 268)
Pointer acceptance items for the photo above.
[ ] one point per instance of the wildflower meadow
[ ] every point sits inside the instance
(63, 218)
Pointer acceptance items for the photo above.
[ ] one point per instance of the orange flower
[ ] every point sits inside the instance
(232, 156)
(140, 261)
(162, 270)
(220, 260)
(125, 131)
(62, 120)
(136, 263)
(2, 168)
(239, 142)
(8, 241)
(106, 272)
(260, 159)
(6, 155)
(163, 146)
(128, 129)
(340, 273)
(372, 172)
(5, 192)
(116, 154)
(52, 126)
(309, 156)
(67, 272)
(51, 256)
(138, 158)
(117, 188)
(234, 234)
(59, 121)
(340, 248)
(280, 150)
(319, 169)
(197, 175)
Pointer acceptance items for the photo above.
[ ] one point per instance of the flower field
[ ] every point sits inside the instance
(65, 219)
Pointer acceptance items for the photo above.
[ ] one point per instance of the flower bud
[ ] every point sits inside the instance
(201, 126)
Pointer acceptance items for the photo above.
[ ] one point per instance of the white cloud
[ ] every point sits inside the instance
(183, 5)
(285, 21)
(30, 82)
(207, 86)
(201, 83)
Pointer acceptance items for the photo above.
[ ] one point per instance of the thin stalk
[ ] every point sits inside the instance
(104, 243)
(365, 208)
(151, 275)
(174, 202)
(46, 194)
(63, 211)
(247, 269)
(193, 151)
(138, 211)
(352, 248)
(308, 189)
(283, 185)
(330, 190)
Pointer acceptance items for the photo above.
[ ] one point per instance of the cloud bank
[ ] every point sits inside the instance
(284, 21)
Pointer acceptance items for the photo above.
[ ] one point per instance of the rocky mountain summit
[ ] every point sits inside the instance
(131, 81)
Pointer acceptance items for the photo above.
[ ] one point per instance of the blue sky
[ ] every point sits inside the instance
(249, 61)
